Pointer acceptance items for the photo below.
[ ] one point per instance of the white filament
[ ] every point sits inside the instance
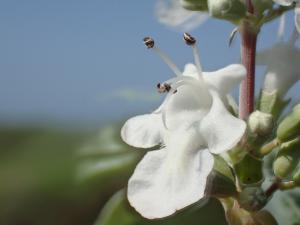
(168, 61)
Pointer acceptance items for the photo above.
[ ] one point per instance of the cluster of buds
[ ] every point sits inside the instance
(232, 10)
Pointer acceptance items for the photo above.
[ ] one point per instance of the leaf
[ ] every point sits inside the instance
(117, 211)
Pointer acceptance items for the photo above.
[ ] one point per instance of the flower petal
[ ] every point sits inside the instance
(274, 81)
(171, 13)
(224, 80)
(190, 70)
(143, 131)
(191, 101)
(160, 186)
(221, 130)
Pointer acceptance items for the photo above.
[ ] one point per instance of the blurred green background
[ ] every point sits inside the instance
(62, 177)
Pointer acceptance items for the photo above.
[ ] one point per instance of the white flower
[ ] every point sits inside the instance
(171, 13)
(191, 123)
(283, 68)
(297, 10)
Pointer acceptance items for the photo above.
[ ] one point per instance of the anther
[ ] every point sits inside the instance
(189, 40)
(162, 88)
(149, 42)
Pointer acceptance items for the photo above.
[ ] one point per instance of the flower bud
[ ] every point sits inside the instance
(232, 10)
(261, 5)
(260, 123)
(194, 5)
(271, 102)
(252, 198)
(296, 177)
(287, 158)
(289, 128)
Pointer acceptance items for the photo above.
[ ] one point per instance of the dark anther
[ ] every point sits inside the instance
(162, 88)
(149, 42)
(189, 40)
(174, 92)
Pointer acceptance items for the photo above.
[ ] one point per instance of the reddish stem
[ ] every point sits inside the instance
(248, 51)
(274, 187)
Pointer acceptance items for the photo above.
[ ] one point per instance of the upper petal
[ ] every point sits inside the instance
(221, 130)
(143, 131)
(160, 186)
(190, 70)
(224, 80)
(191, 101)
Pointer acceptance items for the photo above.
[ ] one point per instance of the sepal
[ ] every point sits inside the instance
(252, 198)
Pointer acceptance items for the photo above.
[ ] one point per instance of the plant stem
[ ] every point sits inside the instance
(279, 185)
(274, 187)
(248, 50)
(267, 148)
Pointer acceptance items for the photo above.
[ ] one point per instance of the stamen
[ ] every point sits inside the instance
(190, 40)
(149, 42)
(162, 88)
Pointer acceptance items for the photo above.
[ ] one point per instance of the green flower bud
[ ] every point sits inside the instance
(231, 10)
(194, 5)
(296, 177)
(289, 128)
(287, 158)
(260, 123)
(252, 198)
(261, 5)
(271, 102)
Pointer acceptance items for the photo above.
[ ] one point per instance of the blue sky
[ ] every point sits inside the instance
(82, 62)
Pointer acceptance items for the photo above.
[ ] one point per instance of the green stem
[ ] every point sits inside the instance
(274, 13)
(267, 148)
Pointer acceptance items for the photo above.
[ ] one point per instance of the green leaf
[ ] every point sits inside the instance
(107, 168)
(117, 211)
